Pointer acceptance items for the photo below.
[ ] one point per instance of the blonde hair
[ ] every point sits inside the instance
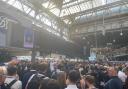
(61, 78)
(90, 79)
(3, 70)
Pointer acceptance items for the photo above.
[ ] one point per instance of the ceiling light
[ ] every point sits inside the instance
(88, 42)
(103, 32)
(76, 30)
(84, 38)
(114, 41)
(121, 34)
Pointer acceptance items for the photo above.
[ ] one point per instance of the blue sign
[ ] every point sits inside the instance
(28, 39)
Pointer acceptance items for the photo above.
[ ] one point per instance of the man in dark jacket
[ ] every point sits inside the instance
(114, 82)
(29, 75)
(126, 81)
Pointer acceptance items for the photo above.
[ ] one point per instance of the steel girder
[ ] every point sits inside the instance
(96, 9)
(74, 4)
(46, 11)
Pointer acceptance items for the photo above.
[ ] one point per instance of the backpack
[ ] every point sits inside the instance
(8, 86)
(34, 83)
(78, 84)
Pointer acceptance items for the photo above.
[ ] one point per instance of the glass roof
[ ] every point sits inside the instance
(70, 7)
(73, 6)
(39, 10)
(42, 17)
(62, 8)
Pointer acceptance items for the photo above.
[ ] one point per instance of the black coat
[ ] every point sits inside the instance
(26, 78)
(114, 83)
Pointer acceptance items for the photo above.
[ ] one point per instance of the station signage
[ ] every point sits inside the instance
(28, 38)
(3, 30)
(3, 22)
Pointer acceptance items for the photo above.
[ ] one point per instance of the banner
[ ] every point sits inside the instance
(3, 22)
(3, 30)
(28, 39)
(92, 56)
(2, 37)
(84, 50)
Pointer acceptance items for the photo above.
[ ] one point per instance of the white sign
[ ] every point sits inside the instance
(3, 22)
(3, 30)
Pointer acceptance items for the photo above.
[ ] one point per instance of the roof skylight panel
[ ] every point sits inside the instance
(17, 5)
(11, 2)
(3, 0)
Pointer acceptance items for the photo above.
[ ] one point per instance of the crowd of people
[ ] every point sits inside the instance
(50, 74)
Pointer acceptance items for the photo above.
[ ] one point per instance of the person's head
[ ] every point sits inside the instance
(61, 78)
(13, 61)
(125, 70)
(42, 67)
(89, 80)
(2, 75)
(11, 71)
(34, 66)
(53, 84)
(112, 71)
(73, 77)
(43, 84)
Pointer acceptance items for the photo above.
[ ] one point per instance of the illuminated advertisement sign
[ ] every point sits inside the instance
(3, 30)
(28, 39)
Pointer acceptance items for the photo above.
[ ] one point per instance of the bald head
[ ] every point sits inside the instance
(112, 71)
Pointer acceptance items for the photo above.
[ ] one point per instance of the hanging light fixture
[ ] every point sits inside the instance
(84, 38)
(114, 40)
(103, 30)
(121, 33)
(76, 30)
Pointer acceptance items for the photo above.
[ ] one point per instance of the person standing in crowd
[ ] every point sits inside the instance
(122, 75)
(72, 79)
(114, 82)
(12, 78)
(49, 84)
(31, 79)
(28, 75)
(52, 63)
(126, 81)
(90, 82)
(12, 62)
(2, 78)
(52, 84)
(61, 79)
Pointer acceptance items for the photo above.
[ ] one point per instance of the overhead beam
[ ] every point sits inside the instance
(77, 3)
(98, 31)
(97, 19)
(23, 18)
(108, 24)
(46, 10)
(103, 7)
(69, 2)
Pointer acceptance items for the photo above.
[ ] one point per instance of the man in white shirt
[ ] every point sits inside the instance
(122, 76)
(73, 77)
(11, 76)
(52, 66)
